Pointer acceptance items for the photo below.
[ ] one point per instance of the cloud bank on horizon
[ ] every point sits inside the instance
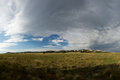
(78, 24)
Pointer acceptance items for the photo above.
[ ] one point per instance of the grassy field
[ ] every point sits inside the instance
(60, 66)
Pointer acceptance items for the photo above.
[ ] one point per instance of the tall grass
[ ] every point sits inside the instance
(69, 66)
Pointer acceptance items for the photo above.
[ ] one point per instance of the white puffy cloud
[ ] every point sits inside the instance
(37, 39)
(57, 41)
(5, 45)
(15, 39)
(80, 38)
(4, 12)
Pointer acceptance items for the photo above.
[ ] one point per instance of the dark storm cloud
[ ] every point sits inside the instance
(61, 15)
(52, 14)
(98, 18)
(105, 46)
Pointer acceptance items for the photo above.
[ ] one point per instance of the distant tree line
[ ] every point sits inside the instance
(62, 51)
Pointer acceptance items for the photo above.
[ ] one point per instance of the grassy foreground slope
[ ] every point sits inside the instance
(59, 66)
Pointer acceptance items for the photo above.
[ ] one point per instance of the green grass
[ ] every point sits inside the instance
(60, 66)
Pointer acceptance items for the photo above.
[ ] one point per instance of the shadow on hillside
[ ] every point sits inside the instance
(10, 71)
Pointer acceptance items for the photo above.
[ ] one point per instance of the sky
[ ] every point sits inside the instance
(39, 25)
